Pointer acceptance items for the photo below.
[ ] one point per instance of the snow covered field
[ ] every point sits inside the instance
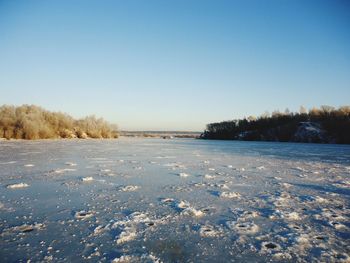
(181, 200)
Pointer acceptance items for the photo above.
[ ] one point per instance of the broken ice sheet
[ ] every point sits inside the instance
(241, 201)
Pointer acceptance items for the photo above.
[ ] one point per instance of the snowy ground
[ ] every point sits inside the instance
(181, 200)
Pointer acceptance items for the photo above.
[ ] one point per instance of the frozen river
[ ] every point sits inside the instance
(181, 200)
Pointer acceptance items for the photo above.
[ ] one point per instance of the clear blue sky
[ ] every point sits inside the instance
(174, 65)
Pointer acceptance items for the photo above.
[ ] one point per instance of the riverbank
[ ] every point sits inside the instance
(325, 125)
(31, 122)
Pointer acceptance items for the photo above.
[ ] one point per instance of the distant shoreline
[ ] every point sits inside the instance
(324, 125)
(160, 134)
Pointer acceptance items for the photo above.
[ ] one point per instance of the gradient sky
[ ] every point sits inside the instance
(174, 65)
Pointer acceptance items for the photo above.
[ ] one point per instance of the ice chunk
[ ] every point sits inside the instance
(184, 175)
(183, 204)
(230, 195)
(129, 188)
(292, 216)
(192, 212)
(208, 176)
(83, 215)
(87, 179)
(17, 186)
(25, 228)
(127, 235)
(209, 231)
(136, 259)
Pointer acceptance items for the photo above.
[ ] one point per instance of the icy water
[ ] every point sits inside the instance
(181, 200)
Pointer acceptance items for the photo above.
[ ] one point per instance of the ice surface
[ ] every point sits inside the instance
(179, 200)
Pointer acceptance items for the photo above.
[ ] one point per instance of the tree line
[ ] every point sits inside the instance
(283, 126)
(32, 122)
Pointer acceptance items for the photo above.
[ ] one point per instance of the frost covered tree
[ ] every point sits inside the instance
(32, 122)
